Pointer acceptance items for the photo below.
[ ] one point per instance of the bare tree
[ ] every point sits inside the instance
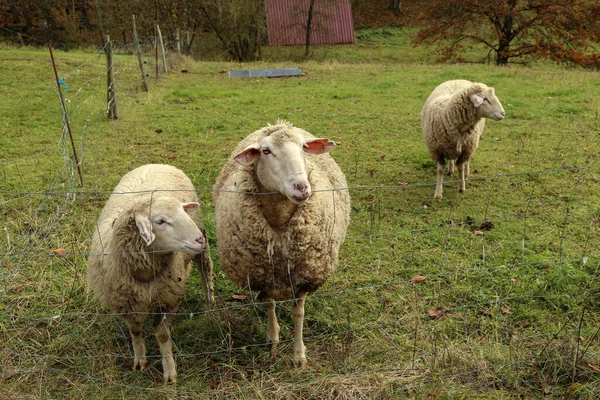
(240, 26)
(309, 20)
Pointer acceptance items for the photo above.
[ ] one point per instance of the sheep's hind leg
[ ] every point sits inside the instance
(273, 328)
(461, 176)
(139, 349)
(298, 317)
(439, 181)
(450, 167)
(161, 330)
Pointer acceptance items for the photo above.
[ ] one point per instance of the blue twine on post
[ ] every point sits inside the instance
(61, 82)
(101, 50)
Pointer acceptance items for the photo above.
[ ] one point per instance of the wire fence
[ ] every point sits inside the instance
(507, 298)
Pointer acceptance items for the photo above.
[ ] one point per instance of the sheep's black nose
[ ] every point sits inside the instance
(300, 187)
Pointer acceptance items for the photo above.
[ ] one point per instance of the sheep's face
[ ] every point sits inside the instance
(488, 105)
(166, 226)
(281, 164)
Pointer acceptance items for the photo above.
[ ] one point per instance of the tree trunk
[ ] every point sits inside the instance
(502, 53)
(15, 13)
(26, 15)
(311, 8)
(395, 5)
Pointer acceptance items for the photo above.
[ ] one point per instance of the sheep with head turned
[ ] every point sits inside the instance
(281, 211)
(452, 120)
(141, 252)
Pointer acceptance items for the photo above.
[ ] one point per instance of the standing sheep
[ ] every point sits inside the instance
(281, 218)
(453, 119)
(141, 253)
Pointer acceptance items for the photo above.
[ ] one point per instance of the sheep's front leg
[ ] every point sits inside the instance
(298, 317)
(161, 330)
(467, 169)
(273, 328)
(461, 176)
(439, 182)
(139, 349)
(450, 167)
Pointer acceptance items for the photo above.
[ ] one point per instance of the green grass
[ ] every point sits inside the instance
(520, 301)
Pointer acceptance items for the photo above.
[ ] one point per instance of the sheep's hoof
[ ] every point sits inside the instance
(140, 363)
(300, 363)
(461, 190)
(170, 378)
(437, 197)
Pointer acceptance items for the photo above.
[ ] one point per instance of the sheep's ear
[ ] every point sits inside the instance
(190, 206)
(318, 146)
(145, 227)
(476, 100)
(248, 155)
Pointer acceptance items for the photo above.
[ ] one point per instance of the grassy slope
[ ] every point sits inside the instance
(512, 298)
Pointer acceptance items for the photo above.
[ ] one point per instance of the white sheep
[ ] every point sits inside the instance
(141, 253)
(453, 119)
(281, 218)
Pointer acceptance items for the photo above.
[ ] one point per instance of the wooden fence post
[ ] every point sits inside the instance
(111, 93)
(162, 48)
(139, 56)
(178, 41)
(156, 50)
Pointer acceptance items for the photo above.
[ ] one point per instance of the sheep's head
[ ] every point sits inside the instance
(487, 104)
(165, 226)
(281, 165)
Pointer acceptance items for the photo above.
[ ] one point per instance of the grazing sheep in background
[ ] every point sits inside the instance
(280, 220)
(453, 119)
(141, 254)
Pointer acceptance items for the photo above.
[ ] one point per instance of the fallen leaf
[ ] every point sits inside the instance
(435, 312)
(524, 324)
(59, 252)
(238, 296)
(174, 156)
(7, 265)
(497, 139)
(476, 232)
(515, 281)
(505, 309)
(417, 279)
(486, 311)
(595, 367)
(403, 183)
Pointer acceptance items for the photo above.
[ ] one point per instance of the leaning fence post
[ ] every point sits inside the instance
(162, 48)
(139, 56)
(65, 115)
(111, 93)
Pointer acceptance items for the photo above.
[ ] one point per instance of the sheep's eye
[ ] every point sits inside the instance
(160, 221)
(485, 99)
(266, 150)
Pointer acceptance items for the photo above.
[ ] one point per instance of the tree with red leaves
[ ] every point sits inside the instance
(561, 30)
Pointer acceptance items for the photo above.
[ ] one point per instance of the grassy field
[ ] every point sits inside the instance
(509, 305)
